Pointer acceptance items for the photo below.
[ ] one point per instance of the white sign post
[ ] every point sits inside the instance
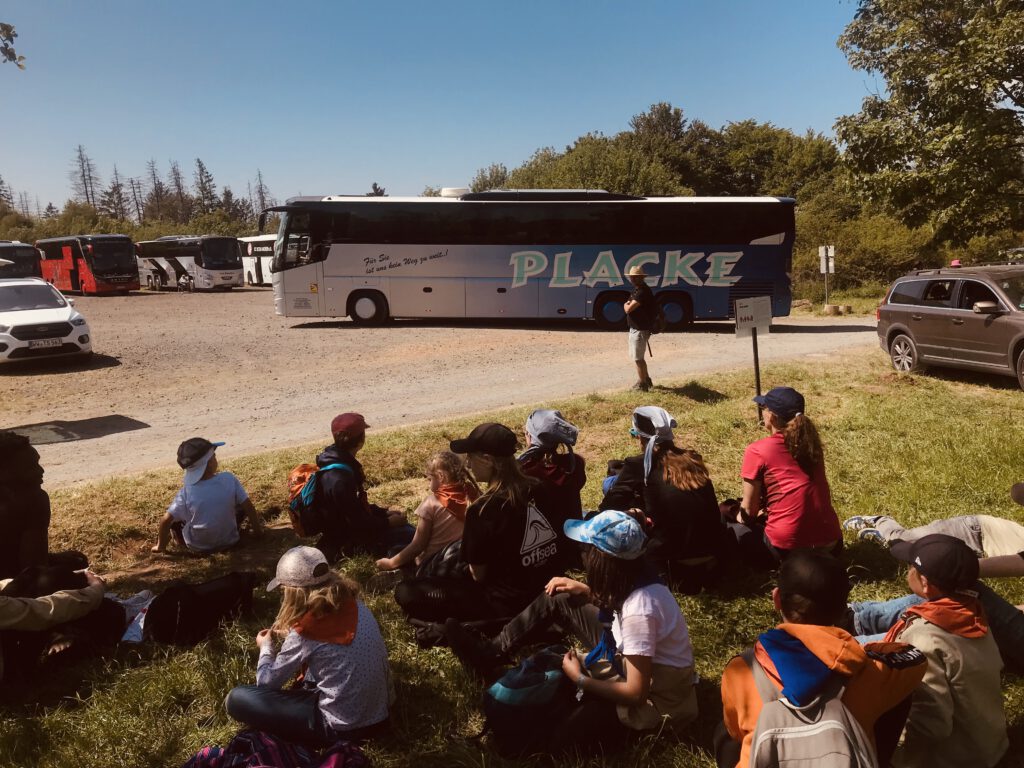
(753, 315)
(827, 255)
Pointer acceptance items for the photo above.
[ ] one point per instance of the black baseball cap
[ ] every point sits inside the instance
(785, 402)
(945, 560)
(490, 438)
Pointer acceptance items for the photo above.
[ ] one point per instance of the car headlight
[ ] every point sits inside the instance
(78, 321)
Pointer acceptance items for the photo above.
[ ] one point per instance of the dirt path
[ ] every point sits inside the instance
(224, 366)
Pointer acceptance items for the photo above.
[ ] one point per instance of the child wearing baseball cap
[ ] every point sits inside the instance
(956, 718)
(206, 513)
(325, 632)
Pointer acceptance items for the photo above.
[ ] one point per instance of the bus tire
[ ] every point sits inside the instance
(608, 311)
(678, 310)
(367, 308)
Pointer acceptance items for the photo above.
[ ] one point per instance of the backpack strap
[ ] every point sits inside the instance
(326, 467)
(765, 688)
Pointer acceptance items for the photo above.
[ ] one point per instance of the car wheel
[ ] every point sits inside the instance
(608, 311)
(368, 308)
(903, 353)
(1020, 369)
(678, 314)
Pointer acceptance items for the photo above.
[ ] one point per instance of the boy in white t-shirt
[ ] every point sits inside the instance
(206, 513)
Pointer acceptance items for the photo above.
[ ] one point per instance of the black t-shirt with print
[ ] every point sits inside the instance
(642, 318)
(516, 544)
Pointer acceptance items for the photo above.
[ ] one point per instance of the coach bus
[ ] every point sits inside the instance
(529, 254)
(99, 264)
(19, 260)
(257, 255)
(187, 262)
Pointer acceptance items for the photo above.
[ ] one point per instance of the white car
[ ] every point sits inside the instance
(37, 321)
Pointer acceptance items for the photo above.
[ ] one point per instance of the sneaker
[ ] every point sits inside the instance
(477, 654)
(873, 535)
(860, 522)
(428, 634)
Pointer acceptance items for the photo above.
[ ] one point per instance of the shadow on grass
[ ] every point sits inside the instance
(697, 392)
(870, 563)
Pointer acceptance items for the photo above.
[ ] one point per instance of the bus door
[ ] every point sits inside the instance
(68, 267)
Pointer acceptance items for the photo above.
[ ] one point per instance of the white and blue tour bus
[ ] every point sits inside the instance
(528, 254)
(205, 263)
(257, 255)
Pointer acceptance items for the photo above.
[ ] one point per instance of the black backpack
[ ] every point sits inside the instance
(185, 614)
(527, 703)
(659, 323)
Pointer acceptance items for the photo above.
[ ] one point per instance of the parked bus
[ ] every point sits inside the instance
(19, 260)
(99, 264)
(529, 254)
(257, 255)
(205, 263)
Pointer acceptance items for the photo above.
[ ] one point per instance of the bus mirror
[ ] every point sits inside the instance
(263, 221)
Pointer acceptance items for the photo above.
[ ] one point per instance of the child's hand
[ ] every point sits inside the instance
(563, 584)
(262, 638)
(386, 564)
(571, 665)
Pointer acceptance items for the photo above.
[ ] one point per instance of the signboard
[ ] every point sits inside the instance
(827, 255)
(753, 313)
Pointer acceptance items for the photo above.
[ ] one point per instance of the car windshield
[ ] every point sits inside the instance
(14, 298)
(221, 253)
(112, 256)
(1013, 287)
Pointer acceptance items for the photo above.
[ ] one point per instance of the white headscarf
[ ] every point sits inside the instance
(662, 422)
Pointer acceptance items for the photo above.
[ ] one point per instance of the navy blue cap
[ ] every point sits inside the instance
(784, 402)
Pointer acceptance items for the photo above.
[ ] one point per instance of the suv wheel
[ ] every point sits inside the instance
(1020, 369)
(903, 353)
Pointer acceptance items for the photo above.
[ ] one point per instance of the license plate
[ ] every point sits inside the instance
(227, 277)
(37, 343)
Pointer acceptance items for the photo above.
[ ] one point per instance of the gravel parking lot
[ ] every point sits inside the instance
(169, 366)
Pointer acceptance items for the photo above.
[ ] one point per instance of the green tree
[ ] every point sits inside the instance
(6, 195)
(206, 191)
(50, 212)
(114, 199)
(376, 191)
(494, 176)
(429, 191)
(944, 144)
(7, 52)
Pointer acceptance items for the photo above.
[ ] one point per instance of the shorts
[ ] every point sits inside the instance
(638, 344)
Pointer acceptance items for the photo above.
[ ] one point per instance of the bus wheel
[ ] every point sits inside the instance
(608, 311)
(678, 311)
(367, 308)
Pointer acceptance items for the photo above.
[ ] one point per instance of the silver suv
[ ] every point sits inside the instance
(970, 318)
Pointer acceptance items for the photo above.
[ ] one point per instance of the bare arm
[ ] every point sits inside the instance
(251, 513)
(752, 497)
(629, 692)
(630, 306)
(1005, 565)
(163, 534)
(412, 550)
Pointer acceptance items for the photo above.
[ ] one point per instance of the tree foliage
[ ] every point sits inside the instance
(944, 146)
(377, 191)
(7, 52)
(494, 176)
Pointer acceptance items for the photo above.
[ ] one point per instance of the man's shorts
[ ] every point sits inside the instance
(638, 344)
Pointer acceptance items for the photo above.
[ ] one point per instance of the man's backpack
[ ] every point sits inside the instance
(822, 733)
(306, 516)
(659, 323)
(525, 703)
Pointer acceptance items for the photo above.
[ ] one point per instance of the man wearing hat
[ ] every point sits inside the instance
(351, 523)
(206, 512)
(956, 718)
(641, 310)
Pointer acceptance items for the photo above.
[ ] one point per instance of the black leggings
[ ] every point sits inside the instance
(438, 599)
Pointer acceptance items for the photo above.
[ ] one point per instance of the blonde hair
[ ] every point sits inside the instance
(802, 442)
(508, 481)
(452, 469)
(321, 600)
(682, 467)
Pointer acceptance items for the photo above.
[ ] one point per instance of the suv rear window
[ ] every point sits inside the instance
(908, 292)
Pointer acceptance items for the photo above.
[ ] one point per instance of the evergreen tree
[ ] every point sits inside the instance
(181, 201)
(235, 208)
(114, 200)
(206, 190)
(376, 191)
(6, 195)
(50, 211)
(158, 195)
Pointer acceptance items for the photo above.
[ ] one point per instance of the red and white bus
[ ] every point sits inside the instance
(98, 264)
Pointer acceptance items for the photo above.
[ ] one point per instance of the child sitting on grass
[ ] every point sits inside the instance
(206, 513)
(332, 639)
(956, 718)
(441, 515)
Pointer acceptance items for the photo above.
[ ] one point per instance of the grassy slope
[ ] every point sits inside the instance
(917, 447)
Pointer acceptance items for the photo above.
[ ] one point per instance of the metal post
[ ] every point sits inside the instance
(757, 372)
(826, 279)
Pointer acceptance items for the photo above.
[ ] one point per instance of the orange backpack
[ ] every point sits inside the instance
(306, 518)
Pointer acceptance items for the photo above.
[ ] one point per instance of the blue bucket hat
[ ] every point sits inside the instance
(784, 402)
(614, 533)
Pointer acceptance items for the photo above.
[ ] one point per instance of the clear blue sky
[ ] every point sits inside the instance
(327, 97)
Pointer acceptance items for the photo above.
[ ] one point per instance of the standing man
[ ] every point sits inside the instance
(641, 308)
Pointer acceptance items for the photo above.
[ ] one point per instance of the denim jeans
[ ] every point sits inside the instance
(872, 618)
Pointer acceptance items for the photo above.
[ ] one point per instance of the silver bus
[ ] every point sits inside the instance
(186, 262)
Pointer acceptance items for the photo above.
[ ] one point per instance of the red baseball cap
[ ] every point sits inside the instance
(348, 423)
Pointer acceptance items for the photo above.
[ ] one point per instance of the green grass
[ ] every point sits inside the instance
(916, 447)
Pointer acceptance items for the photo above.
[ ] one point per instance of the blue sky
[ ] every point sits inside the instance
(327, 97)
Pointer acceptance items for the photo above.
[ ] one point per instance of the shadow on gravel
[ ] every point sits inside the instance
(822, 328)
(566, 326)
(49, 432)
(94, 362)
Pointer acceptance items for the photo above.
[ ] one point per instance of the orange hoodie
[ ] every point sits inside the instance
(880, 676)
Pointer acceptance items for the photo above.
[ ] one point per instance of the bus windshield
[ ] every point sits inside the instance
(15, 298)
(112, 257)
(25, 262)
(221, 253)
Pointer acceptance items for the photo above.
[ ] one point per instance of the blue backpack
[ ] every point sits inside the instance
(527, 702)
(306, 516)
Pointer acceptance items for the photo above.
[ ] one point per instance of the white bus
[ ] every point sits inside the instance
(528, 254)
(205, 263)
(257, 255)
